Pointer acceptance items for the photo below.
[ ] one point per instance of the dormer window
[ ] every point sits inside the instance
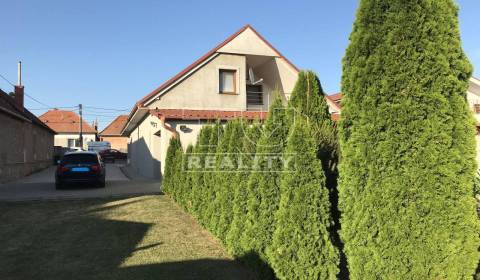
(227, 81)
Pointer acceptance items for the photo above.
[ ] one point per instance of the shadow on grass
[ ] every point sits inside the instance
(70, 240)
(257, 264)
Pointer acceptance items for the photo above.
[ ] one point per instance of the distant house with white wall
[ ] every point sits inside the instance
(236, 79)
(66, 124)
(334, 105)
(473, 98)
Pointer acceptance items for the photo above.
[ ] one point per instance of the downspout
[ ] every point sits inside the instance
(167, 127)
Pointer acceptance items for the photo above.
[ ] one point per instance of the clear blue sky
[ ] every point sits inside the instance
(112, 53)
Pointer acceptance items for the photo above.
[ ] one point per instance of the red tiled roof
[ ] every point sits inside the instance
(115, 127)
(65, 122)
(181, 114)
(335, 97)
(335, 117)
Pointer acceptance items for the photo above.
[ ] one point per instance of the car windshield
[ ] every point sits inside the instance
(79, 159)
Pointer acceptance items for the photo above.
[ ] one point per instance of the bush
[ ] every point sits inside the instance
(220, 182)
(185, 180)
(408, 147)
(263, 188)
(228, 186)
(308, 101)
(198, 176)
(241, 195)
(169, 170)
(302, 247)
(210, 178)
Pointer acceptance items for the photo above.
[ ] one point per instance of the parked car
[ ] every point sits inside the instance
(80, 167)
(112, 155)
(98, 146)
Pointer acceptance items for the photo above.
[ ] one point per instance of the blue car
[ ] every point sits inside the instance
(80, 167)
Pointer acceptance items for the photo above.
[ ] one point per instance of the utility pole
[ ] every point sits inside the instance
(81, 126)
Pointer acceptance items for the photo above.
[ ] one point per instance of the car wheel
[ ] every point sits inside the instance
(58, 185)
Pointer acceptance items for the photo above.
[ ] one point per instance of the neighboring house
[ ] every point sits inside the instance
(473, 98)
(26, 144)
(67, 126)
(334, 105)
(113, 134)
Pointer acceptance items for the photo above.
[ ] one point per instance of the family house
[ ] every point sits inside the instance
(67, 126)
(237, 78)
(26, 144)
(473, 100)
(113, 134)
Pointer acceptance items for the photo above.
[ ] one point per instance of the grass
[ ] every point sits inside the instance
(147, 237)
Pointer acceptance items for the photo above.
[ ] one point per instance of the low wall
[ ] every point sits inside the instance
(13, 171)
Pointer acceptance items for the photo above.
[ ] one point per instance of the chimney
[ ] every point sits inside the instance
(19, 94)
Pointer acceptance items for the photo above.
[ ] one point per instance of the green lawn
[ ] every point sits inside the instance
(147, 237)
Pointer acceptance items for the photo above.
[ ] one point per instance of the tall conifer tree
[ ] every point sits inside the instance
(169, 170)
(264, 188)
(241, 194)
(198, 174)
(229, 184)
(302, 246)
(408, 147)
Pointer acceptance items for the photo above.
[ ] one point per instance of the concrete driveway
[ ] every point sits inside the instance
(41, 186)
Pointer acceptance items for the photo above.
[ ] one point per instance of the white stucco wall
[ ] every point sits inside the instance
(148, 151)
(62, 139)
(144, 148)
(200, 90)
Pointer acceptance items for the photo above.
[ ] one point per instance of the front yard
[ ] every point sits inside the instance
(147, 237)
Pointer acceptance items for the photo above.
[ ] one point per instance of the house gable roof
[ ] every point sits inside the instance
(335, 100)
(62, 121)
(115, 127)
(231, 44)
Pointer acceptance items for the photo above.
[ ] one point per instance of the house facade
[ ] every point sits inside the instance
(113, 134)
(66, 124)
(473, 99)
(235, 79)
(239, 78)
(26, 144)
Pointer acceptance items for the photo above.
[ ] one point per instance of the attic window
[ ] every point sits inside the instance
(227, 81)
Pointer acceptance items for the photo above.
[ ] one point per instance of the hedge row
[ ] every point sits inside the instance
(275, 217)
(407, 145)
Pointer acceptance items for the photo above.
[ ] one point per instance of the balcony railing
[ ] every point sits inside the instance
(255, 98)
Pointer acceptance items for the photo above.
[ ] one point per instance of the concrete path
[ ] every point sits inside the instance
(41, 186)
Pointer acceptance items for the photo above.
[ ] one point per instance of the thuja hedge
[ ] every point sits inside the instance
(407, 145)
(302, 247)
(168, 178)
(239, 201)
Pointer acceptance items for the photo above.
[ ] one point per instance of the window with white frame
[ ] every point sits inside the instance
(227, 81)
